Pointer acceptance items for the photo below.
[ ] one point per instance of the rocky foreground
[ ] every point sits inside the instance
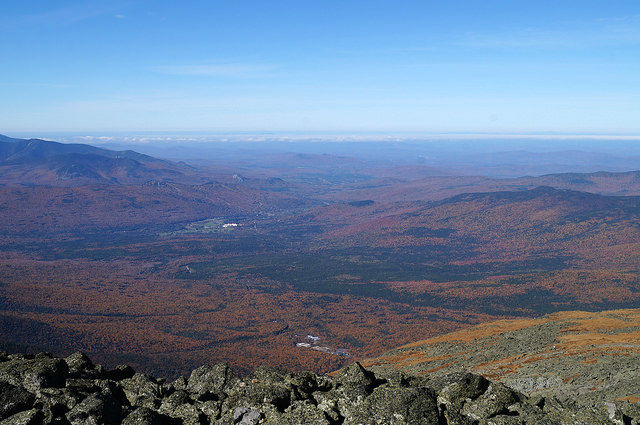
(42, 389)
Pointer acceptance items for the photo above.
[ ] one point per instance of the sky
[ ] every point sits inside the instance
(486, 66)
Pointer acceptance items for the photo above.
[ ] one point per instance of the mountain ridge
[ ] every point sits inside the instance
(41, 162)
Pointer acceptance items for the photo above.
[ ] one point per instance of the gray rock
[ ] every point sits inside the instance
(83, 384)
(353, 384)
(120, 372)
(507, 420)
(627, 413)
(210, 408)
(495, 401)
(356, 376)
(35, 373)
(305, 383)
(79, 363)
(459, 388)
(95, 410)
(145, 416)
(277, 394)
(179, 384)
(327, 402)
(142, 390)
(176, 399)
(28, 417)
(31, 394)
(188, 414)
(396, 406)
(299, 413)
(13, 400)
(56, 402)
(210, 380)
(246, 416)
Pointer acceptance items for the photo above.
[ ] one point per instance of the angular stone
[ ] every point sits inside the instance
(356, 375)
(495, 401)
(13, 400)
(277, 394)
(461, 387)
(210, 408)
(146, 416)
(210, 379)
(355, 382)
(35, 373)
(179, 384)
(120, 372)
(28, 417)
(95, 409)
(56, 401)
(246, 416)
(82, 384)
(300, 413)
(188, 414)
(142, 390)
(79, 363)
(176, 399)
(395, 406)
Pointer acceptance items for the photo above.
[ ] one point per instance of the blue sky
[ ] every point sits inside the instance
(390, 66)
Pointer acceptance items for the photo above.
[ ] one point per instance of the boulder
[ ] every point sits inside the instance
(188, 414)
(458, 388)
(79, 364)
(299, 413)
(41, 371)
(120, 372)
(495, 401)
(95, 410)
(146, 416)
(176, 399)
(210, 380)
(210, 408)
(13, 400)
(394, 405)
(27, 417)
(142, 390)
(246, 416)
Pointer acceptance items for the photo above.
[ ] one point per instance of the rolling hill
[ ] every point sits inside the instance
(434, 188)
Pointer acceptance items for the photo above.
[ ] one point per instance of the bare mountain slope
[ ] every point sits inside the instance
(595, 356)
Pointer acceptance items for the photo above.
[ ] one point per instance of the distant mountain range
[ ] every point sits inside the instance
(43, 162)
(46, 185)
(504, 158)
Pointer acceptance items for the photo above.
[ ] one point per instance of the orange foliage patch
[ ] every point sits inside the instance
(630, 399)
(481, 331)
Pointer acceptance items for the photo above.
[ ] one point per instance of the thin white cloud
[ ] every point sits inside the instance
(218, 70)
(601, 32)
